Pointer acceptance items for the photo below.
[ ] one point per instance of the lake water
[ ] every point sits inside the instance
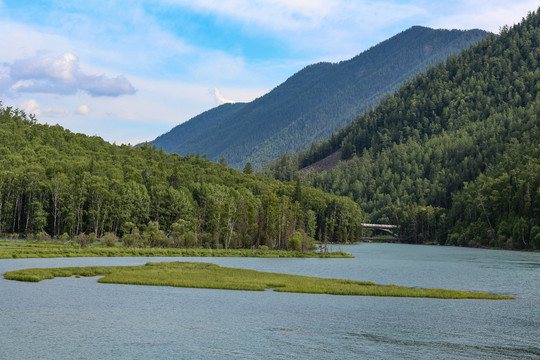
(69, 318)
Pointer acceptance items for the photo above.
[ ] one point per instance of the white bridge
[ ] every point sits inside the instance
(383, 227)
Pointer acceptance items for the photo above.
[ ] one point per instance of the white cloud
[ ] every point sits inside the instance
(83, 110)
(104, 86)
(220, 99)
(62, 75)
(31, 106)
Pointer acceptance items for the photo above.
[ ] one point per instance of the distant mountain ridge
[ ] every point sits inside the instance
(315, 102)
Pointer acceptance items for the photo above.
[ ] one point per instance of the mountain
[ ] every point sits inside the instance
(454, 156)
(314, 102)
(71, 186)
(198, 125)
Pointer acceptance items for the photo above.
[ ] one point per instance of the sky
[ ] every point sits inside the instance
(129, 71)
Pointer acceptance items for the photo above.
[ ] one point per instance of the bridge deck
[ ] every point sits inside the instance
(380, 226)
(383, 227)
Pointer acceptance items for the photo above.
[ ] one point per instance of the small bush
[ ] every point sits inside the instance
(294, 243)
(153, 236)
(81, 239)
(43, 236)
(189, 240)
(64, 237)
(109, 239)
(92, 238)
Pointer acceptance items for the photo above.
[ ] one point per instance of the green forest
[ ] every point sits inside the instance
(314, 102)
(454, 156)
(62, 185)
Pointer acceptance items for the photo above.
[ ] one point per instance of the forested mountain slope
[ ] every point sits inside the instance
(196, 126)
(314, 102)
(454, 156)
(54, 182)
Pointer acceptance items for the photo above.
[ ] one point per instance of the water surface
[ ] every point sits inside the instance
(68, 318)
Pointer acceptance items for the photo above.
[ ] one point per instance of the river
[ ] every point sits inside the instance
(69, 318)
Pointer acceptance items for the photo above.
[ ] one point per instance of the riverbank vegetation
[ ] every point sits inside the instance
(454, 155)
(211, 276)
(66, 186)
(48, 249)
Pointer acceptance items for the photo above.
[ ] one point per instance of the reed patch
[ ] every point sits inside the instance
(50, 249)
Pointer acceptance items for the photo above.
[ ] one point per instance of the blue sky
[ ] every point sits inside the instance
(129, 71)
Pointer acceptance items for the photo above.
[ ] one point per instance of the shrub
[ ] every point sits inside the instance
(91, 238)
(133, 238)
(43, 236)
(263, 249)
(300, 241)
(109, 239)
(81, 239)
(295, 242)
(189, 240)
(153, 236)
(64, 237)
(207, 240)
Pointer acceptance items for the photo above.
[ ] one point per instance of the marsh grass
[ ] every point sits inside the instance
(48, 249)
(211, 276)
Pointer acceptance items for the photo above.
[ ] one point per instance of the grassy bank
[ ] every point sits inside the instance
(48, 249)
(204, 275)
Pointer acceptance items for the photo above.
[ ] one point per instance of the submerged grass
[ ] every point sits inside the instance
(211, 276)
(48, 249)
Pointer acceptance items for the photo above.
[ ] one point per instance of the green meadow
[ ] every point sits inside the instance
(211, 276)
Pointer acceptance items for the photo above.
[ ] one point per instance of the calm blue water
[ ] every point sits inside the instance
(69, 318)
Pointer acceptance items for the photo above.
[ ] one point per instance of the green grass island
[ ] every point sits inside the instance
(211, 276)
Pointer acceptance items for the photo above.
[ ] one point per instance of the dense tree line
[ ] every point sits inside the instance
(452, 156)
(501, 208)
(314, 102)
(54, 183)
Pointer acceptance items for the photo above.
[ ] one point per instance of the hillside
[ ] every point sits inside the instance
(183, 133)
(454, 156)
(314, 102)
(71, 186)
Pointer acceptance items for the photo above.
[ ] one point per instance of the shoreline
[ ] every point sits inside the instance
(43, 249)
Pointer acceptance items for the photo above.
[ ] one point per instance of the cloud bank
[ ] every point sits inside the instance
(60, 75)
